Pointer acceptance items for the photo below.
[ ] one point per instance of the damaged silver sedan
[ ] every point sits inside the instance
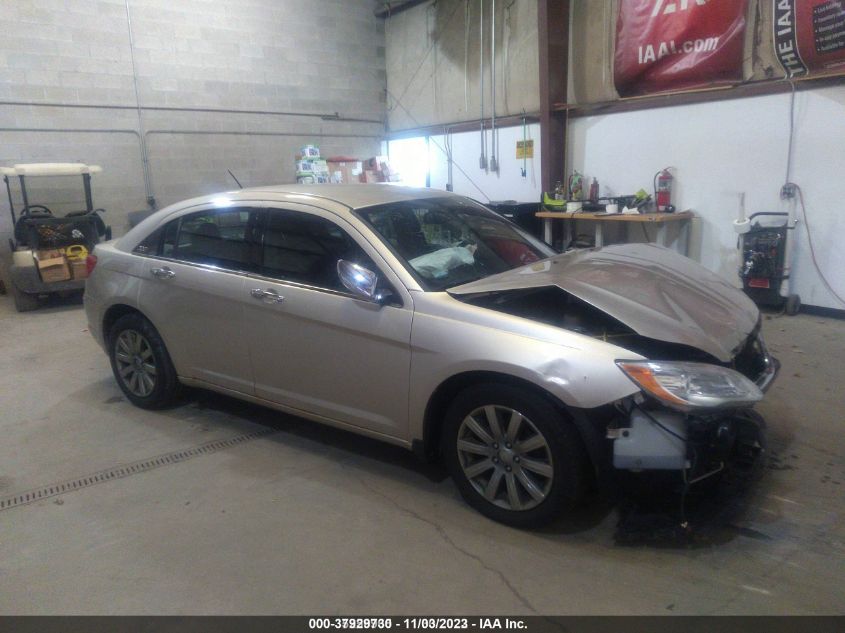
(423, 319)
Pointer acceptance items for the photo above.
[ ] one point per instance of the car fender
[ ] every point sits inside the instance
(577, 370)
(114, 281)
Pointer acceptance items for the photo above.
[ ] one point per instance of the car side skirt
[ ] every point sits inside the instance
(201, 384)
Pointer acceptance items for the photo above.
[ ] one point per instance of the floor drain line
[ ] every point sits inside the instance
(126, 470)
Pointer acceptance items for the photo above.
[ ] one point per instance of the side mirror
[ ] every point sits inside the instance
(385, 296)
(357, 279)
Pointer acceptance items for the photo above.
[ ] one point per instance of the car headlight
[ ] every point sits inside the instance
(688, 386)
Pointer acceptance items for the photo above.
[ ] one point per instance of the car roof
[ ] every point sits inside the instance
(351, 196)
(336, 198)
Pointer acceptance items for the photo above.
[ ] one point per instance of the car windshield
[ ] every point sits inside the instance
(446, 242)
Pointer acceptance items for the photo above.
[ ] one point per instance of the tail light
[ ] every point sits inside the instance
(90, 263)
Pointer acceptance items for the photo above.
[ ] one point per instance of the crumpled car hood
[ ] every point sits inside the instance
(651, 289)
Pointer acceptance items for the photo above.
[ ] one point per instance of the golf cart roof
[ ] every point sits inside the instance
(51, 169)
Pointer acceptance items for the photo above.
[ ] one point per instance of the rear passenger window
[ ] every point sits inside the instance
(225, 238)
(168, 242)
(150, 245)
(305, 248)
(162, 241)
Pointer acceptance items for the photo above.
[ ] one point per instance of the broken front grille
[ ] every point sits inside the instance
(752, 361)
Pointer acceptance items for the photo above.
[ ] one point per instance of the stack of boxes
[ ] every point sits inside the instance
(62, 264)
(311, 169)
(377, 169)
(346, 171)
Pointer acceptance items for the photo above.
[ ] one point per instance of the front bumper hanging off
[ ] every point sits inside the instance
(664, 440)
(655, 438)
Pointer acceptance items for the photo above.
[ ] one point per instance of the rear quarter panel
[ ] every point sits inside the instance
(115, 280)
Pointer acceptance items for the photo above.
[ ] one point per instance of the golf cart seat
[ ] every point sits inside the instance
(102, 229)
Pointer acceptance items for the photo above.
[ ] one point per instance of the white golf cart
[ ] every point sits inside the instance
(39, 235)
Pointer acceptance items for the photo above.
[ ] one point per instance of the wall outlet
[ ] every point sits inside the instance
(787, 192)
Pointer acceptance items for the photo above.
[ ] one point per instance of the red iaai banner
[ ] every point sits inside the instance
(809, 35)
(664, 45)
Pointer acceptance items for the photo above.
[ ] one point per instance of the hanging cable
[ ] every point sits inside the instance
(482, 160)
(506, 61)
(425, 57)
(466, 58)
(494, 160)
(812, 247)
(450, 185)
(438, 146)
(789, 183)
(524, 145)
(431, 33)
(791, 132)
(145, 157)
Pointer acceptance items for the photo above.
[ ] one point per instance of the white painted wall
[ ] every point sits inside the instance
(507, 184)
(468, 179)
(721, 149)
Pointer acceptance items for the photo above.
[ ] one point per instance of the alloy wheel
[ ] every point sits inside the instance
(505, 457)
(136, 364)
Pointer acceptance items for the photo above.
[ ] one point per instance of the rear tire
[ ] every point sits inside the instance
(24, 302)
(526, 472)
(141, 364)
(793, 305)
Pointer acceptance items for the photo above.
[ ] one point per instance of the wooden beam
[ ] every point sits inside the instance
(392, 8)
(553, 39)
(739, 91)
(457, 127)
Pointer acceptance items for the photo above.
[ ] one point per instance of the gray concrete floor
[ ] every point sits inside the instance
(312, 520)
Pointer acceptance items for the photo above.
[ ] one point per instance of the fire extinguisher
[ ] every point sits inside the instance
(663, 182)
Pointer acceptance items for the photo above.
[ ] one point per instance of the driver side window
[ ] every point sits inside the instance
(305, 249)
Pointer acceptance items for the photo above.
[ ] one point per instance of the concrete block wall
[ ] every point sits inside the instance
(433, 62)
(272, 56)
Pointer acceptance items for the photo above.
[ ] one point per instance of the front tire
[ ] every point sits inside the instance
(141, 364)
(514, 456)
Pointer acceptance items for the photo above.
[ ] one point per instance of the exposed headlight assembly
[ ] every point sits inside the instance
(689, 386)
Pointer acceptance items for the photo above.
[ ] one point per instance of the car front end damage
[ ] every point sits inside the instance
(696, 418)
(689, 341)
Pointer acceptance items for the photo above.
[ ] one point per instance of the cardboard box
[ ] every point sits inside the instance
(52, 266)
(78, 269)
(309, 151)
(377, 163)
(350, 171)
(320, 171)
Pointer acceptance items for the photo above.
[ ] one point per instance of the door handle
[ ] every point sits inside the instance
(267, 296)
(163, 273)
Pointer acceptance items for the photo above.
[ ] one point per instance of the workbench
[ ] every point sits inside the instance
(662, 220)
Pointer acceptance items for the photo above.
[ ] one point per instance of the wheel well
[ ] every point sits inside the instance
(113, 314)
(443, 396)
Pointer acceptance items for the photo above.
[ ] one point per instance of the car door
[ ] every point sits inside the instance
(193, 292)
(317, 348)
